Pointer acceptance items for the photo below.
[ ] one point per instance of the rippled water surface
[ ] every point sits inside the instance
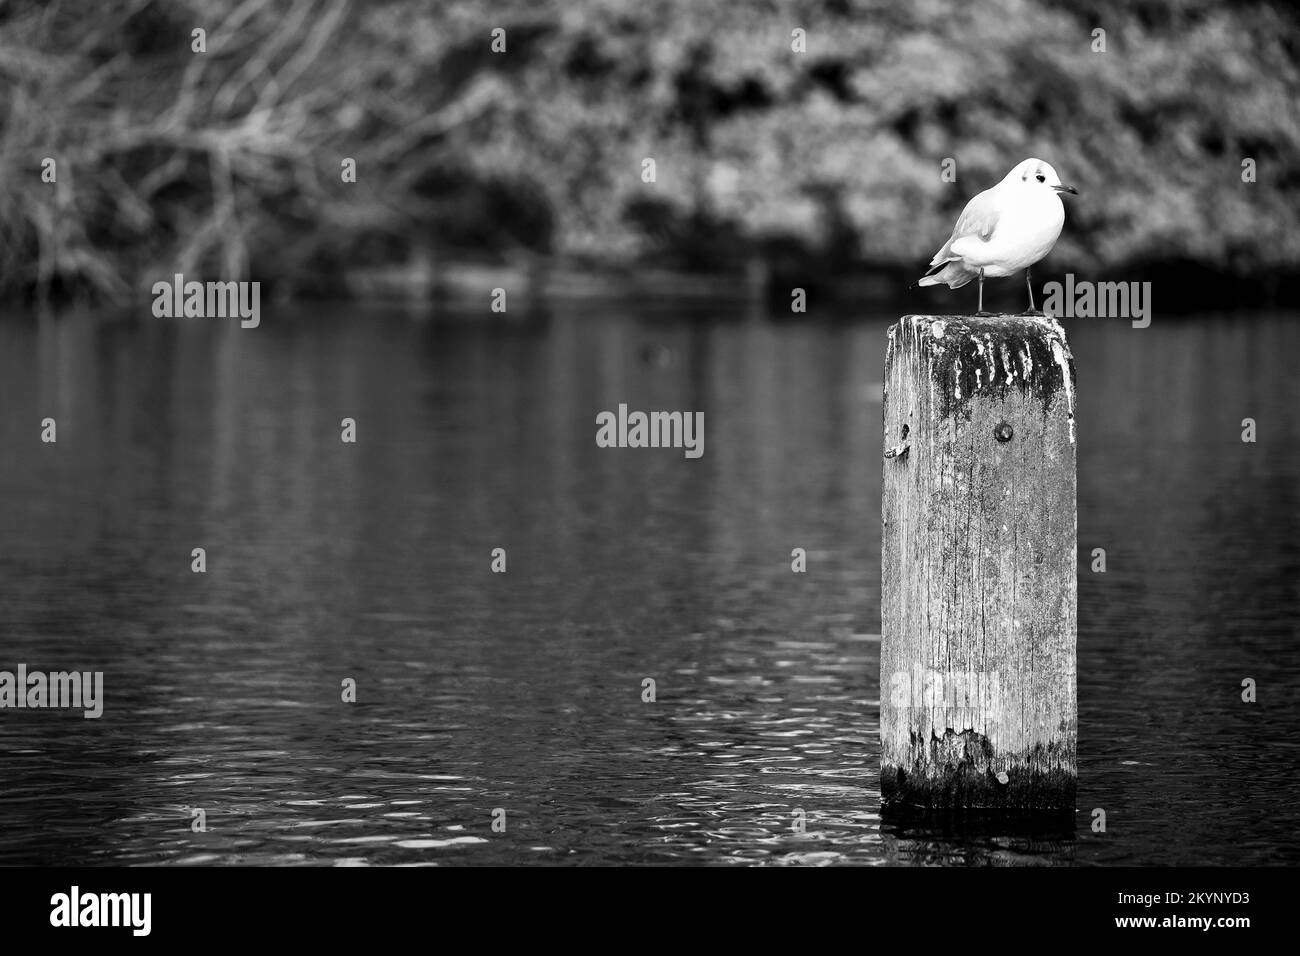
(523, 690)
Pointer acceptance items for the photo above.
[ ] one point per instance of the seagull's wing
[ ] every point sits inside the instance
(979, 218)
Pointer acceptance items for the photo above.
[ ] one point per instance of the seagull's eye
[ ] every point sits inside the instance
(1041, 178)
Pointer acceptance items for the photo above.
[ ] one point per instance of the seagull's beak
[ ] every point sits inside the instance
(1062, 188)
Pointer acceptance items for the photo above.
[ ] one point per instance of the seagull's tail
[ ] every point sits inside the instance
(954, 274)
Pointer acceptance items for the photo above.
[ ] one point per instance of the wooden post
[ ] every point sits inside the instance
(977, 658)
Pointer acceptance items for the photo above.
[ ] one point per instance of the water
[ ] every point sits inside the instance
(523, 691)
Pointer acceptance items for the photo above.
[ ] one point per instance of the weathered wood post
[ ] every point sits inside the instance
(977, 658)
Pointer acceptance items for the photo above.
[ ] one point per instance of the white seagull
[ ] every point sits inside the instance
(1003, 230)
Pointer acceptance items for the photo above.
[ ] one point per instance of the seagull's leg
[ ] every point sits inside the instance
(1030, 287)
(981, 309)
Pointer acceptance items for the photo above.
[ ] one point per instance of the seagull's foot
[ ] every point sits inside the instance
(984, 315)
(1037, 312)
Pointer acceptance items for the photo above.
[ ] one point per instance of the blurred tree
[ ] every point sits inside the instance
(228, 160)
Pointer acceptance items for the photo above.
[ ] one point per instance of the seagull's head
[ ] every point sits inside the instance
(1036, 174)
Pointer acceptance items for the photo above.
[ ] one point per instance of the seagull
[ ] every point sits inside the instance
(1003, 230)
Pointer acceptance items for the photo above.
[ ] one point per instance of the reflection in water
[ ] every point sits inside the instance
(523, 691)
(979, 838)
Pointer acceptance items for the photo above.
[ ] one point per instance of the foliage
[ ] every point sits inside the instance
(228, 161)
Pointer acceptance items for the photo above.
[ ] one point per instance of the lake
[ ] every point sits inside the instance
(523, 691)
